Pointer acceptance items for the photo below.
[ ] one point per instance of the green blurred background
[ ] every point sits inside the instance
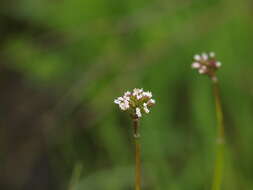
(62, 62)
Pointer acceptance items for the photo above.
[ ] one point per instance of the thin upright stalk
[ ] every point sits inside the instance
(219, 160)
(75, 176)
(137, 154)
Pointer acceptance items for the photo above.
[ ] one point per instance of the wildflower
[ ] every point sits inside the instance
(206, 64)
(137, 102)
(145, 108)
(151, 102)
(138, 112)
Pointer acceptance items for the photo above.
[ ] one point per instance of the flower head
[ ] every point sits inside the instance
(206, 64)
(137, 102)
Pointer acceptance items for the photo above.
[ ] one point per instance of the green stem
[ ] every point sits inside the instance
(75, 176)
(219, 162)
(137, 154)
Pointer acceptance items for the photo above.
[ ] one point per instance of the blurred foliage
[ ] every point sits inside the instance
(63, 62)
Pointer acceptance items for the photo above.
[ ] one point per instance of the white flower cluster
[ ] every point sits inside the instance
(123, 101)
(136, 102)
(206, 63)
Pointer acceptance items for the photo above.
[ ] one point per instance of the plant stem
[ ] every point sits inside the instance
(219, 162)
(75, 176)
(137, 154)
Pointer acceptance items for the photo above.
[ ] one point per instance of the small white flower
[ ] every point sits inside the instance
(218, 64)
(203, 69)
(197, 57)
(195, 65)
(139, 96)
(204, 56)
(123, 102)
(212, 54)
(124, 105)
(126, 102)
(127, 93)
(147, 94)
(145, 108)
(138, 112)
(116, 101)
(151, 101)
(137, 91)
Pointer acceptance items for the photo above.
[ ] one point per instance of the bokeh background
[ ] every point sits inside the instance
(62, 62)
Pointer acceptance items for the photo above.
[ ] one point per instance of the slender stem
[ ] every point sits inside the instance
(75, 176)
(219, 162)
(137, 154)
